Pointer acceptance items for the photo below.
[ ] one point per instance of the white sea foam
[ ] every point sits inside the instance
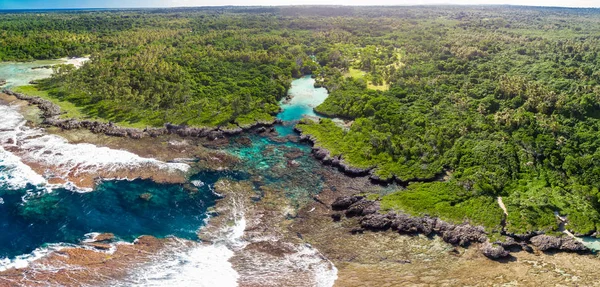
(23, 261)
(309, 258)
(198, 265)
(197, 183)
(304, 266)
(34, 145)
(14, 174)
(194, 264)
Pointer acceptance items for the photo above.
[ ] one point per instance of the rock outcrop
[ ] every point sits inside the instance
(362, 207)
(457, 234)
(494, 251)
(545, 242)
(342, 203)
(371, 219)
(377, 221)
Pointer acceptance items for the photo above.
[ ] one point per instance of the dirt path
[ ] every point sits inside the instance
(502, 205)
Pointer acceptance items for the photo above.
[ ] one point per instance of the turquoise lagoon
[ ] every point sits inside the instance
(19, 74)
(304, 98)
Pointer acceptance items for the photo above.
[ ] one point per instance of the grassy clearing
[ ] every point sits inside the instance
(69, 109)
(358, 74)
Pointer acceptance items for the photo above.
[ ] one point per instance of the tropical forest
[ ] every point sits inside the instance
(458, 107)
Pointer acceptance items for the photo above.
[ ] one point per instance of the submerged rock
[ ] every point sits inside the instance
(294, 153)
(245, 141)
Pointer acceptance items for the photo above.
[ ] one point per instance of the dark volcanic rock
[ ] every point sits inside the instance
(507, 242)
(407, 224)
(494, 251)
(336, 217)
(546, 242)
(52, 111)
(321, 154)
(464, 234)
(357, 230)
(352, 171)
(362, 208)
(342, 203)
(572, 245)
(376, 221)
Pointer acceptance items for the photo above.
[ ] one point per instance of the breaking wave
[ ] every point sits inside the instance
(20, 143)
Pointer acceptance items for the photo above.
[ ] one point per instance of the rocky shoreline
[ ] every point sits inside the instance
(51, 113)
(464, 235)
(325, 157)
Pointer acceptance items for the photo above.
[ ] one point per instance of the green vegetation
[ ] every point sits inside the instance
(70, 110)
(505, 99)
(447, 200)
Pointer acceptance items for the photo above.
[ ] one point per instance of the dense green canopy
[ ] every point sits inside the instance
(502, 101)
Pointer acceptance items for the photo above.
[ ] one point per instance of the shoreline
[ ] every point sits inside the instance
(465, 234)
(372, 222)
(55, 162)
(324, 156)
(51, 113)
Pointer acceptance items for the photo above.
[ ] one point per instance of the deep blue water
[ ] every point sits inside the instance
(31, 218)
(115, 206)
